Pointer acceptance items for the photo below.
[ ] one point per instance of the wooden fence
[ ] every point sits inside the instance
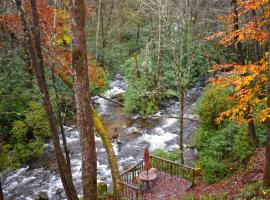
(131, 190)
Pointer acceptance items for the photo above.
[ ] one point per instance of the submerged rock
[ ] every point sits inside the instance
(42, 196)
(60, 194)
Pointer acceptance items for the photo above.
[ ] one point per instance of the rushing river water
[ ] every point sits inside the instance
(134, 135)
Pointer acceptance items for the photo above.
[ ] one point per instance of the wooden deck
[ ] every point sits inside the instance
(167, 187)
(173, 181)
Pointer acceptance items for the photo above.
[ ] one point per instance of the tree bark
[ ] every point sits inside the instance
(98, 27)
(37, 63)
(266, 176)
(239, 47)
(181, 119)
(117, 186)
(105, 33)
(1, 191)
(252, 133)
(58, 109)
(83, 100)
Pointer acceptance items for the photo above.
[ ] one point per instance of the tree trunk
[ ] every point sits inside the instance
(137, 67)
(239, 48)
(157, 73)
(58, 109)
(1, 191)
(252, 133)
(256, 45)
(117, 186)
(105, 34)
(119, 19)
(83, 100)
(97, 28)
(181, 119)
(37, 63)
(266, 176)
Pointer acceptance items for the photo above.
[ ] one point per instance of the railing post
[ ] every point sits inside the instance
(137, 194)
(170, 169)
(193, 177)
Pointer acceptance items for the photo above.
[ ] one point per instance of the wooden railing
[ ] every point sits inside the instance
(173, 168)
(128, 178)
(131, 189)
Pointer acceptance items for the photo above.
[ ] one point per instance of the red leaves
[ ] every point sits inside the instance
(55, 52)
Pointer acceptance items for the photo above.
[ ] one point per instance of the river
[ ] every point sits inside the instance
(134, 135)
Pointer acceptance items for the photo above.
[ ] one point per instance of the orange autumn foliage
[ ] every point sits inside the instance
(248, 82)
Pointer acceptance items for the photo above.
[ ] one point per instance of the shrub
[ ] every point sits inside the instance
(242, 148)
(211, 105)
(172, 154)
(28, 134)
(212, 170)
(254, 191)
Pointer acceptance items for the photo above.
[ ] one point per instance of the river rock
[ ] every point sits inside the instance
(60, 193)
(118, 77)
(102, 188)
(42, 196)
(118, 97)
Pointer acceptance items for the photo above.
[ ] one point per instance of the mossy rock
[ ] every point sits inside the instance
(102, 188)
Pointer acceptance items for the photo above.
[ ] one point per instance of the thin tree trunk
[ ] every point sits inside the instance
(104, 42)
(83, 100)
(157, 74)
(239, 50)
(137, 68)
(252, 133)
(119, 19)
(257, 45)
(266, 176)
(37, 63)
(117, 186)
(97, 28)
(181, 99)
(1, 191)
(181, 119)
(58, 105)
(58, 108)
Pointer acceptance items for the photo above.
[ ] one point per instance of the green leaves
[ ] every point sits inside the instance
(28, 134)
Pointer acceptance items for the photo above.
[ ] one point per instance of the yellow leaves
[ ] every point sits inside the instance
(64, 39)
(62, 14)
(264, 115)
(248, 83)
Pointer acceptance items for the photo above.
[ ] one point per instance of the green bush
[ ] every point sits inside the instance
(211, 105)
(5, 159)
(254, 191)
(172, 154)
(219, 144)
(242, 148)
(212, 170)
(28, 134)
